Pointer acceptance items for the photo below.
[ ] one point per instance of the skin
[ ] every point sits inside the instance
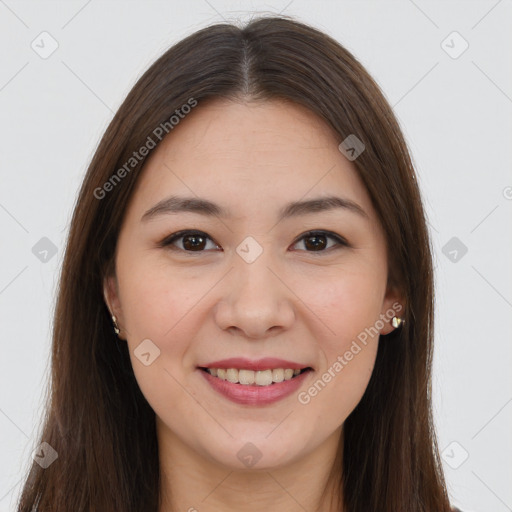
(293, 302)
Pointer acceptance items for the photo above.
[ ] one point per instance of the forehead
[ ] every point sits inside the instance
(248, 155)
(249, 133)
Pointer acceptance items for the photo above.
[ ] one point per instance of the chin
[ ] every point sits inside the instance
(256, 453)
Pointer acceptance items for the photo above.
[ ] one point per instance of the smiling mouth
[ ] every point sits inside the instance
(255, 378)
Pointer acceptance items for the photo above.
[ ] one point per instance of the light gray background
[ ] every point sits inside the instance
(456, 116)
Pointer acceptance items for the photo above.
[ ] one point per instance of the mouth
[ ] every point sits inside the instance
(264, 378)
(261, 387)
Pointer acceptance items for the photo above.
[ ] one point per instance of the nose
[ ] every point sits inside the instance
(256, 302)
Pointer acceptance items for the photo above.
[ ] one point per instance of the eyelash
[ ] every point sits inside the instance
(169, 240)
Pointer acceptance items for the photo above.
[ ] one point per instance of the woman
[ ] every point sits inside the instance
(245, 312)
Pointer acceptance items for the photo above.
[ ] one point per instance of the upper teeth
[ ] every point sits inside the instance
(248, 377)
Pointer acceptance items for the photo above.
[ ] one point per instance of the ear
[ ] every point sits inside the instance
(111, 296)
(393, 305)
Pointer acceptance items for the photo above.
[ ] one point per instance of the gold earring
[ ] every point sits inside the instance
(397, 322)
(116, 327)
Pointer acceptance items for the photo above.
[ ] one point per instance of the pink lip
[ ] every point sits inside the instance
(254, 395)
(267, 363)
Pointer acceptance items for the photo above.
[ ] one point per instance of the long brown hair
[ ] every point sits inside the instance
(97, 419)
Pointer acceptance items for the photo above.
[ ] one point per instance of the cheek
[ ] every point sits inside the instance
(162, 307)
(340, 387)
(348, 304)
(156, 299)
(348, 356)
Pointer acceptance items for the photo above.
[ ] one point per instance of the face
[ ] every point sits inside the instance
(251, 277)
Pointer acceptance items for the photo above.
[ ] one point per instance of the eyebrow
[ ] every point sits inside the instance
(177, 204)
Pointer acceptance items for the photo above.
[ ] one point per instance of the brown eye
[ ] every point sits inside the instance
(317, 241)
(191, 241)
(194, 242)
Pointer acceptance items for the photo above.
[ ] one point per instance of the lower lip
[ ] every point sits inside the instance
(255, 395)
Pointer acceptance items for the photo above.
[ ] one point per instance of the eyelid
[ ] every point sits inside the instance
(168, 240)
(322, 232)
